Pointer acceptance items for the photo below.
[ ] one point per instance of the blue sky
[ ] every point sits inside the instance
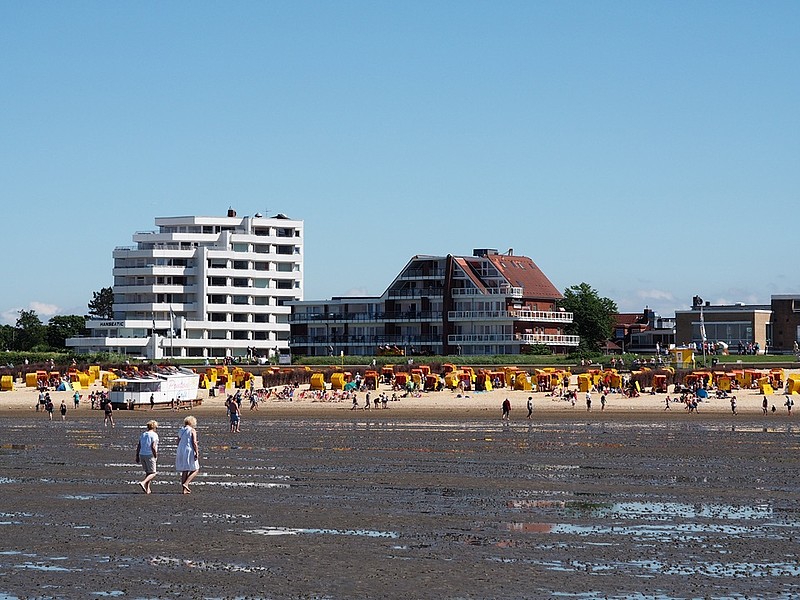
(650, 149)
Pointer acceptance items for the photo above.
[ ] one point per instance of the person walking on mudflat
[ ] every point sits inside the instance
(236, 416)
(108, 415)
(187, 456)
(147, 454)
(530, 407)
(506, 409)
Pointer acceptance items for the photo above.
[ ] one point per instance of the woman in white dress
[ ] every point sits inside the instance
(186, 459)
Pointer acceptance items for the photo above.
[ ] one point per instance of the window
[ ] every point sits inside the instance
(240, 247)
(261, 335)
(241, 300)
(241, 265)
(218, 281)
(217, 299)
(260, 318)
(216, 317)
(240, 317)
(284, 284)
(284, 249)
(241, 335)
(240, 282)
(217, 263)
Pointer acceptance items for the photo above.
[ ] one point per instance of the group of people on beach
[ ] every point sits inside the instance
(187, 456)
(381, 401)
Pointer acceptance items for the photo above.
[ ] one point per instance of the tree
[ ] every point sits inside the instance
(593, 316)
(30, 331)
(7, 337)
(59, 328)
(102, 304)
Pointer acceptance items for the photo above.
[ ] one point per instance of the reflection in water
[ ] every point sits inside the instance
(297, 531)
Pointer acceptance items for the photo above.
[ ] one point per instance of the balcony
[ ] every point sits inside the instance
(107, 342)
(416, 293)
(546, 339)
(479, 315)
(365, 340)
(374, 317)
(542, 316)
(417, 274)
(538, 316)
(513, 292)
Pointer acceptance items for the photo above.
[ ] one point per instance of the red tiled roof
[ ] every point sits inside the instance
(627, 318)
(521, 271)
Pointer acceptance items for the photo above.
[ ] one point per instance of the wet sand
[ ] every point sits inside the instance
(312, 500)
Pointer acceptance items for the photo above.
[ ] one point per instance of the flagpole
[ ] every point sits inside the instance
(703, 334)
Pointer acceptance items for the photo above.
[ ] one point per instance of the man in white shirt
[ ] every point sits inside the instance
(147, 454)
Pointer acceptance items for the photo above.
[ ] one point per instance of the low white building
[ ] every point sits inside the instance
(203, 287)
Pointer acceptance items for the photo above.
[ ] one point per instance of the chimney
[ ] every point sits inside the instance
(231, 212)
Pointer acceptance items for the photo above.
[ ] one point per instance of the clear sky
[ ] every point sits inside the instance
(650, 149)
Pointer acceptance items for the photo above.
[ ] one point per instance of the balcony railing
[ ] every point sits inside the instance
(510, 315)
(527, 338)
(514, 292)
(413, 274)
(375, 317)
(479, 315)
(416, 293)
(546, 316)
(365, 340)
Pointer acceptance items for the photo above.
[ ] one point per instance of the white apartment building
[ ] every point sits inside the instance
(203, 287)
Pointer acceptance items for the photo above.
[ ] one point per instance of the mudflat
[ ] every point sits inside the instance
(394, 503)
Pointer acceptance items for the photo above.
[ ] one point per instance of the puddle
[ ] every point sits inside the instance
(43, 567)
(247, 484)
(165, 561)
(662, 533)
(672, 510)
(298, 531)
(536, 504)
(110, 594)
(736, 570)
(652, 511)
(85, 496)
(5, 480)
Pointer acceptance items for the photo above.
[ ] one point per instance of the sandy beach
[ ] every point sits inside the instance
(449, 404)
(432, 498)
